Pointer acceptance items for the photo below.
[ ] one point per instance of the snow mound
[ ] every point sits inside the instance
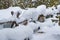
(48, 11)
(30, 13)
(15, 9)
(34, 0)
(41, 9)
(54, 10)
(4, 13)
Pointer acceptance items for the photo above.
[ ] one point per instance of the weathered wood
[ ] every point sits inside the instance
(57, 19)
(54, 20)
(5, 22)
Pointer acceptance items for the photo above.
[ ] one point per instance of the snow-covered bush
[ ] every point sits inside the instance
(41, 9)
(49, 11)
(55, 10)
(7, 12)
(30, 13)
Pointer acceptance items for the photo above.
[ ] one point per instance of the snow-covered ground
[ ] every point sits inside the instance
(33, 30)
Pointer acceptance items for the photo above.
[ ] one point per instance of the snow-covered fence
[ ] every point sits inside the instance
(6, 25)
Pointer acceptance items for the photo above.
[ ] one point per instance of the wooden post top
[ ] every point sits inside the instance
(57, 19)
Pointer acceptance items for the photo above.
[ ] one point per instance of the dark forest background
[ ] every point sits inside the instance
(27, 3)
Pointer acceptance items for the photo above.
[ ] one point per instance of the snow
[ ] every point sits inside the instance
(55, 11)
(50, 34)
(34, 13)
(49, 11)
(51, 30)
(15, 9)
(30, 13)
(41, 9)
(34, 0)
(4, 13)
(58, 7)
(18, 32)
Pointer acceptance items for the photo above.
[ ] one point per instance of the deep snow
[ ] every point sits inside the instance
(51, 30)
